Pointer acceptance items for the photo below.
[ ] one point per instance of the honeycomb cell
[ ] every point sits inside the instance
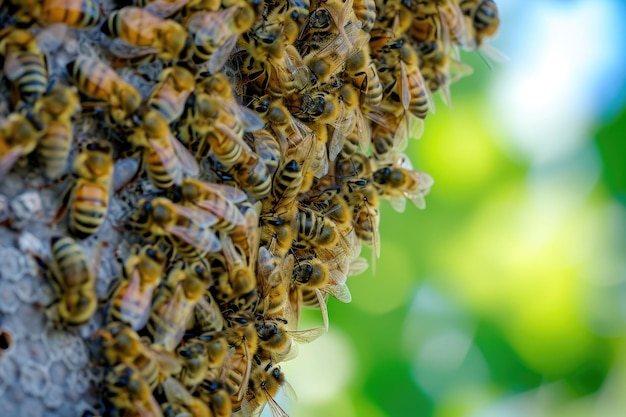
(36, 350)
(30, 244)
(27, 290)
(34, 378)
(9, 302)
(54, 397)
(58, 373)
(14, 264)
(78, 383)
(8, 373)
(25, 208)
(76, 355)
(32, 407)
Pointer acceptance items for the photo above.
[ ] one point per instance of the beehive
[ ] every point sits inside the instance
(268, 132)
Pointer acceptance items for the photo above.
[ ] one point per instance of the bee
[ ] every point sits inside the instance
(396, 16)
(215, 349)
(453, 19)
(268, 149)
(482, 19)
(254, 176)
(99, 81)
(170, 95)
(73, 280)
(219, 200)
(397, 182)
(276, 339)
(316, 230)
(273, 273)
(87, 197)
(286, 185)
(193, 356)
(141, 274)
(389, 137)
(186, 229)
(362, 72)
(165, 38)
(182, 401)
(19, 135)
(81, 14)
(365, 11)
(293, 136)
(121, 344)
(243, 338)
(173, 307)
(431, 37)
(126, 390)
(403, 80)
(163, 156)
(55, 110)
(208, 315)
(214, 34)
(25, 65)
(327, 59)
(215, 395)
(220, 125)
(240, 278)
(265, 382)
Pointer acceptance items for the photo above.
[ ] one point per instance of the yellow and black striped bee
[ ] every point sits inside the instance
(75, 283)
(25, 65)
(87, 197)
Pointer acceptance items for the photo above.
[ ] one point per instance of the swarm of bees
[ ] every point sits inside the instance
(251, 160)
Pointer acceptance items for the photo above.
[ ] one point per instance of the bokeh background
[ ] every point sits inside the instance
(507, 295)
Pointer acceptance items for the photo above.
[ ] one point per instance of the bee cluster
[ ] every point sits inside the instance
(241, 148)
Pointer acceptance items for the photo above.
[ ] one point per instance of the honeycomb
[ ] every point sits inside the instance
(178, 179)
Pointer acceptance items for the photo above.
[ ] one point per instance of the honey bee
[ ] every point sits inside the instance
(316, 230)
(432, 41)
(170, 95)
(265, 382)
(286, 186)
(132, 298)
(219, 200)
(19, 135)
(365, 11)
(240, 278)
(243, 338)
(216, 396)
(216, 347)
(193, 356)
(273, 273)
(182, 401)
(389, 136)
(173, 307)
(276, 339)
(482, 19)
(55, 111)
(362, 72)
(398, 182)
(163, 156)
(214, 34)
(165, 38)
(327, 59)
(74, 281)
(121, 344)
(220, 125)
(99, 81)
(81, 14)
(186, 229)
(268, 149)
(254, 176)
(208, 315)
(293, 136)
(25, 64)
(453, 19)
(126, 390)
(87, 197)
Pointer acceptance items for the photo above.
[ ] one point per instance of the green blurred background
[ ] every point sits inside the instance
(506, 296)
